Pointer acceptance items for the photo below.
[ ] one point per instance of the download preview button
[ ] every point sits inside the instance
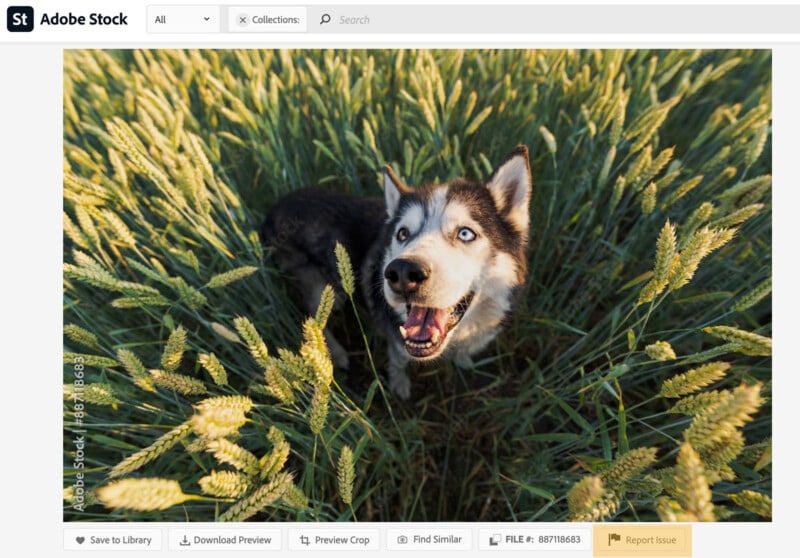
(642, 540)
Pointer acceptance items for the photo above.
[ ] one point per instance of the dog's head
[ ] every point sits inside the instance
(455, 253)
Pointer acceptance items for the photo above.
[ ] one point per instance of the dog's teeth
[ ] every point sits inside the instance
(403, 332)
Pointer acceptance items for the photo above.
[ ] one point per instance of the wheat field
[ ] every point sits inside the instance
(633, 383)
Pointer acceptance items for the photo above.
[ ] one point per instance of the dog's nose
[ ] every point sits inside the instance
(405, 276)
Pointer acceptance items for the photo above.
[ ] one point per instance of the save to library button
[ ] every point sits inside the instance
(642, 540)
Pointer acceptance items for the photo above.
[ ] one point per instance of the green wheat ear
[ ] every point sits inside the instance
(80, 335)
(345, 475)
(142, 494)
(754, 296)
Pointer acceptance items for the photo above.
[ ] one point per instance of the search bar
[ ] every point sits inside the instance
(520, 19)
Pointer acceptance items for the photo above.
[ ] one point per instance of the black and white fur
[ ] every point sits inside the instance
(439, 265)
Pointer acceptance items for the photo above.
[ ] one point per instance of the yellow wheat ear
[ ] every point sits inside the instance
(262, 497)
(627, 466)
(173, 352)
(693, 492)
(142, 494)
(225, 484)
(693, 380)
(151, 452)
(258, 349)
(215, 369)
(665, 254)
(589, 500)
(345, 269)
(232, 454)
(660, 350)
(755, 502)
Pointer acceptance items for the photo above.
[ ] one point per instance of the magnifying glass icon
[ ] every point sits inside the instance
(326, 18)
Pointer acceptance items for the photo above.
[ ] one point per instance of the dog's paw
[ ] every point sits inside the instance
(400, 385)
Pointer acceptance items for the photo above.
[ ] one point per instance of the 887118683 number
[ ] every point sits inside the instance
(559, 539)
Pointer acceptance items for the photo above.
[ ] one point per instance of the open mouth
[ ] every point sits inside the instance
(426, 329)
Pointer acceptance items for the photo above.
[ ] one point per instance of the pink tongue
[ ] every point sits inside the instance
(423, 321)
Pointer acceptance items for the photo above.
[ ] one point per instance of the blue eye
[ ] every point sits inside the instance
(465, 234)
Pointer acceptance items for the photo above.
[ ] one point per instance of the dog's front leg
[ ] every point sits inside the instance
(399, 383)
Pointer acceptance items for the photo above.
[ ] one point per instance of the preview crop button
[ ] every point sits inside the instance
(642, 540)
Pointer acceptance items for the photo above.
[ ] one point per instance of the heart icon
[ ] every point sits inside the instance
(79, 540)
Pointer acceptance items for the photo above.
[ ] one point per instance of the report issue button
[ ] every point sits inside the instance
(642, 540)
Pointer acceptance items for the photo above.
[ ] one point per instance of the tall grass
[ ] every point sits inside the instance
(633, 382)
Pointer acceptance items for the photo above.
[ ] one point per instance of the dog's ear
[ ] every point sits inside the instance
(510, 186)
(393, 188)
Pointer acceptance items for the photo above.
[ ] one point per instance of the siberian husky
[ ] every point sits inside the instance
(438, 265)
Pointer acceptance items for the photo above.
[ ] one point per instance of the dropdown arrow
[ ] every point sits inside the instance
(206, 18)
